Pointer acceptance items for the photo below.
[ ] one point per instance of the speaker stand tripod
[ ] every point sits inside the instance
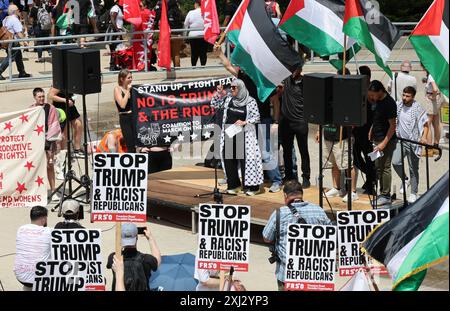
(69, 175)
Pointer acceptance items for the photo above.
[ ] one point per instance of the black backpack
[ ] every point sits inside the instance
(134, 273)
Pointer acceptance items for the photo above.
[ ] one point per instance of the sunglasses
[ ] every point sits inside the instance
(233, 87)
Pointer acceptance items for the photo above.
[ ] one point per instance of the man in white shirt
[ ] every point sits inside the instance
(199, 47)
(401, 80)
(412, 124)
(32, 245)
(14, 26)
(116, 14)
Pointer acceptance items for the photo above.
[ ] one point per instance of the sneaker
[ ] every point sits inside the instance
(382, 200)
(354, 197)
(56, 197)
(306, 183)
(333, 192)
(275, 188)
(78, 153)
(251, 193)
(234, 191)
(407, 184)
(222, 182)
(412, 198)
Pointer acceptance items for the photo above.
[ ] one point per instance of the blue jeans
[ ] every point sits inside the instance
(269, 152)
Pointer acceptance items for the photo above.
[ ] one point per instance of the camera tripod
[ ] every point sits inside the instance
(69, 175)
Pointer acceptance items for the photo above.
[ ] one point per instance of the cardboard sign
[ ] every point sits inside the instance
(310, 257)
(119, 192)
(175, 111)
(353, 228)
(75, 264)
(23, 165)
(224, 237)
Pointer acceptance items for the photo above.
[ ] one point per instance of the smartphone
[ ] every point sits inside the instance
(141, 230)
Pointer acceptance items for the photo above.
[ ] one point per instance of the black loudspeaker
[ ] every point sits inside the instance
(59, 65)
(317, 92)
(350, 100)
(84, 76)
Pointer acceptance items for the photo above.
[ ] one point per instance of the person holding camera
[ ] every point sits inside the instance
(72, 215)
(137, 266)
(295, 211)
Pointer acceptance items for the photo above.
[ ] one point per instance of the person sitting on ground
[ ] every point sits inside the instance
(295, 211)
(52, 135)
(71, 212)
(137, 266)
(113, 141)
(32, 245)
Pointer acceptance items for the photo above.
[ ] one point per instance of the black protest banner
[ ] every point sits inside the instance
(75, 262)
(119, 192)
(175, 111)
(224, 237)
(353, 228)
(310, 257)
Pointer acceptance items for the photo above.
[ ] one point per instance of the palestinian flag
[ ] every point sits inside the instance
(430, 40)
(318, 24)
(260, 50)
(415, 239)
(365, 23)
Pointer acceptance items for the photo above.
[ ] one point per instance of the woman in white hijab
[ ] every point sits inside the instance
(238, 141)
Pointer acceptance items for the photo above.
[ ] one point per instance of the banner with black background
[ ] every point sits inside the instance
(171, 111)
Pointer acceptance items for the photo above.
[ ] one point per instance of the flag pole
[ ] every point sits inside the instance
(343, 73)
(375, 286)
(118, 239)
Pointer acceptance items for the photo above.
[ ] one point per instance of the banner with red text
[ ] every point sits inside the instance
(175, 111)
(23, 164)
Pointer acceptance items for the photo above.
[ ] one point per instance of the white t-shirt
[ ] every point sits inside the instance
(429, 86)
(194, 19)
(119, 18)
(22, 2)
(403, 80)
(13, 24)
(405, 122)
(203, 275)
(32, 245)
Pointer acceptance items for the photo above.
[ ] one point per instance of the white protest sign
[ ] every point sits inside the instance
(224, 237)
(75, 262)
(310, 257)
(119, 191)
(353, 228)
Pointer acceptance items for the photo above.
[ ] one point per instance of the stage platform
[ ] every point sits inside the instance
(178, 187)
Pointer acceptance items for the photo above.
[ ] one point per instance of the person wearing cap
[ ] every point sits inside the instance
(401, 80)
(131, 255)
(71, 213)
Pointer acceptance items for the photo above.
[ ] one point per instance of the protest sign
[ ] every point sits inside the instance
(75, 262)
(119, 191)
(224, 237)
(353, 228)
(310, 257)
(175, 111)
(23, 165)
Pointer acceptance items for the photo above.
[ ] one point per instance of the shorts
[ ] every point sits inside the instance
(335, 154)
(80, 29)
(433, 106)
(72, 113)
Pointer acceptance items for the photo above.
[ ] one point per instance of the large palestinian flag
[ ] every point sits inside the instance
(260, 50)
(317, 24)
(365, 23)
(430, 40)
(415, 239)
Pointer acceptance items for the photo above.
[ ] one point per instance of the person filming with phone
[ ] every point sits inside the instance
(137, 266)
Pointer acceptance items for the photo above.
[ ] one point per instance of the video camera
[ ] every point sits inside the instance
(274, 255)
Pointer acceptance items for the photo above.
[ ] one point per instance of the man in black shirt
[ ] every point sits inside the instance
(382, 133)
(135, 262)
(293, 124)
(71, 213)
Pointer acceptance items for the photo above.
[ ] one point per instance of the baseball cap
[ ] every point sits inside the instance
(406, 65)
(70, 207)
(129, 234)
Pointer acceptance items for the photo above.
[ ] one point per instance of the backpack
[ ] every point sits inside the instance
(47, 111)
(103, 21)
(44, 19)
(5, 34)
(134, 273)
